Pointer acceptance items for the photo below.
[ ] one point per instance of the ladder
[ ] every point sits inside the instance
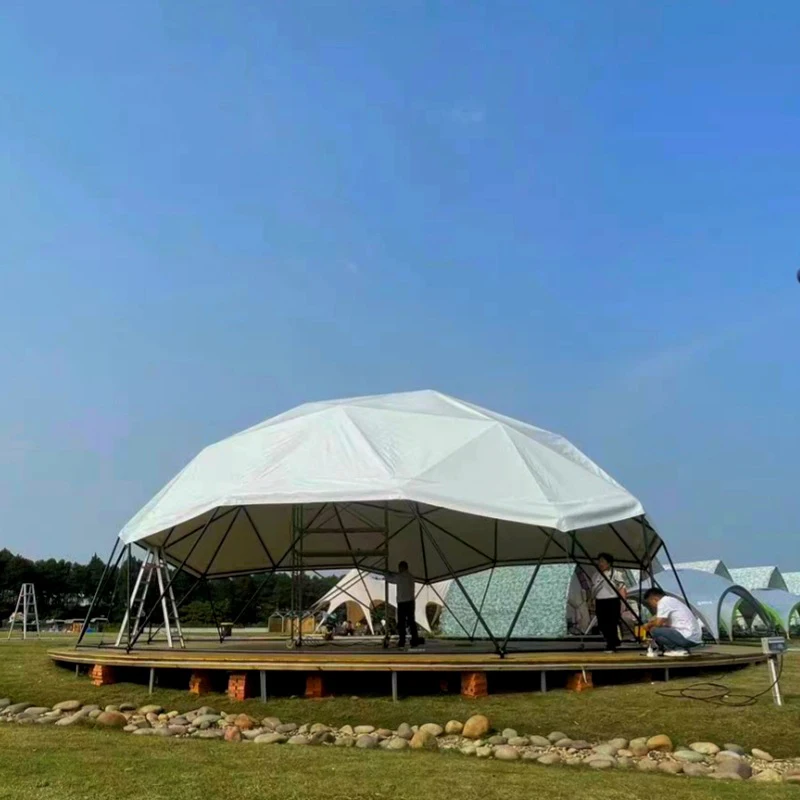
(154, 564)
(26, 599)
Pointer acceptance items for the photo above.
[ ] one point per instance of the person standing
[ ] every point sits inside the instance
(608, 588)
(404, 581)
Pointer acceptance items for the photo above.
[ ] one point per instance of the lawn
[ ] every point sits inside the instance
(89, 763)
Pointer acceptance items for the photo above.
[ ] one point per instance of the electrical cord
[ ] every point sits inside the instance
(719, 694)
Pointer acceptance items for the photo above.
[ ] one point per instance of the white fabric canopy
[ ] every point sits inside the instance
(369, 591)
(457, 487)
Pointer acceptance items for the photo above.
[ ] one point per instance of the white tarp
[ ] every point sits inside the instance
(457, 486)
(368, 592)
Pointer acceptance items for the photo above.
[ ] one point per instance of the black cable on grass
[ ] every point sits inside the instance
(719, 694)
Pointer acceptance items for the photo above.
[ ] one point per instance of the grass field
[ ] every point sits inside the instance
(88, 763)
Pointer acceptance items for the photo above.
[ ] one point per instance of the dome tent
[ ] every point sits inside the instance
(716, 567)
(367, 482)
(758, 578)
(792, 581)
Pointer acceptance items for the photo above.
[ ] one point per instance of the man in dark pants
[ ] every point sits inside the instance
(405, 605)
(608, 588)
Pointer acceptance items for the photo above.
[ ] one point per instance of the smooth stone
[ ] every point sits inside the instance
(318, 727)
(287, 727)
(214, 733)
(696, 770)
(549, 759)
(767, 776)
(727, 755)
(647, 765)
(579, 744)
(178, 730)
(203, 719)
(518, 741)
(476, 727)
(130, 728)
(706, 748)
(125, 707)
(404, 731)
(270, 722)
(619, 743)
(496, 740)
(740, 768)
(88, 709)
(606, 749)
(144, 732)
(384, 733)
(363, 729)
(432, 728)
(111, 719)
(179, 721)
(70, 720)
(15, 708)
(689, 756)
(298, 739)
(167, 732)
(367, 742)
(483, 752)
(510, 733)
(453, 728)
(347, 730)
(151, 709)
(397, 744)
(670, 767)
(564, 743)
(638, 746)
(322, 737)
(539, 741)
(111, 708)
(36, 711)
(244, 722)
(345, 741)
(506, 753)
(233, 734)
(601, 763)
(556, 736)
(735, 748)
(270, 738)
(469, 750)
(424, 740)
(625, 762)
(67, 705)
(661, 743)
(304, 729)
(46, 720)
(763, 755)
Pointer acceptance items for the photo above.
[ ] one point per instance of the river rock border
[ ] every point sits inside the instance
(474, 738)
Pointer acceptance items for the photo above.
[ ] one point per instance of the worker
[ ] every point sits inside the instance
(608, 589)
(405, 605)
(674, 628)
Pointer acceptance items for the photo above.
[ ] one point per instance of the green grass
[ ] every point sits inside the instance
(88, 763)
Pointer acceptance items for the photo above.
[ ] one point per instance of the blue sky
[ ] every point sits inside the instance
(584, 215)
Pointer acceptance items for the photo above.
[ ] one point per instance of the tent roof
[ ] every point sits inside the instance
(792, 581)
(783, 604)
(417, 463)
(715, 566)
(758, 578)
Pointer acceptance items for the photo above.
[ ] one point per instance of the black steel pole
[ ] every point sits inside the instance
(97, 591)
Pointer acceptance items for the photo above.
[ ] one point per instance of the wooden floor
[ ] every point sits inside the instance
(435, 656)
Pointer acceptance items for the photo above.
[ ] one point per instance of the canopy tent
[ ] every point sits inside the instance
(368, 482)
(712, 598)
(784, 607)
(758, 578)
(716, 567)
(447, 486)
(367, 592)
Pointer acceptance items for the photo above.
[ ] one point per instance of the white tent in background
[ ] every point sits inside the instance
(367, 592)
(792, 581)
(715, 566)
(758, 578)
(421, 477)
(784, 607)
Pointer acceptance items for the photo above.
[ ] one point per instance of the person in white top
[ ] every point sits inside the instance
(404, 581)
(608, 590)
(674, 628)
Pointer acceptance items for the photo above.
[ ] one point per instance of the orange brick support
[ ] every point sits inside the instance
(200, 683)
(580, 682)
(315, 686)
(102, 675)
(473, 684)
(237, 686)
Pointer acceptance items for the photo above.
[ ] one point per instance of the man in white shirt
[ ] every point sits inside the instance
(674, 628)
(404, 581)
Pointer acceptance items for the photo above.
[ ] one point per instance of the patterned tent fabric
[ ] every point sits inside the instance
(758, 578)
(792, 581)
(716, 567)
(556, 596)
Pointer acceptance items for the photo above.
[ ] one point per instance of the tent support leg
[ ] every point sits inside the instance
(97, 591)
(525, 594)
(436, 546)
(394, 686)
(543, 682)
(677, 576)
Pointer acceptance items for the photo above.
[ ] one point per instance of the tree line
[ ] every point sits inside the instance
(64, 590)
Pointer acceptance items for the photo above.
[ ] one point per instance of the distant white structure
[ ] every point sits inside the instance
(365, 592)
(26, 600)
